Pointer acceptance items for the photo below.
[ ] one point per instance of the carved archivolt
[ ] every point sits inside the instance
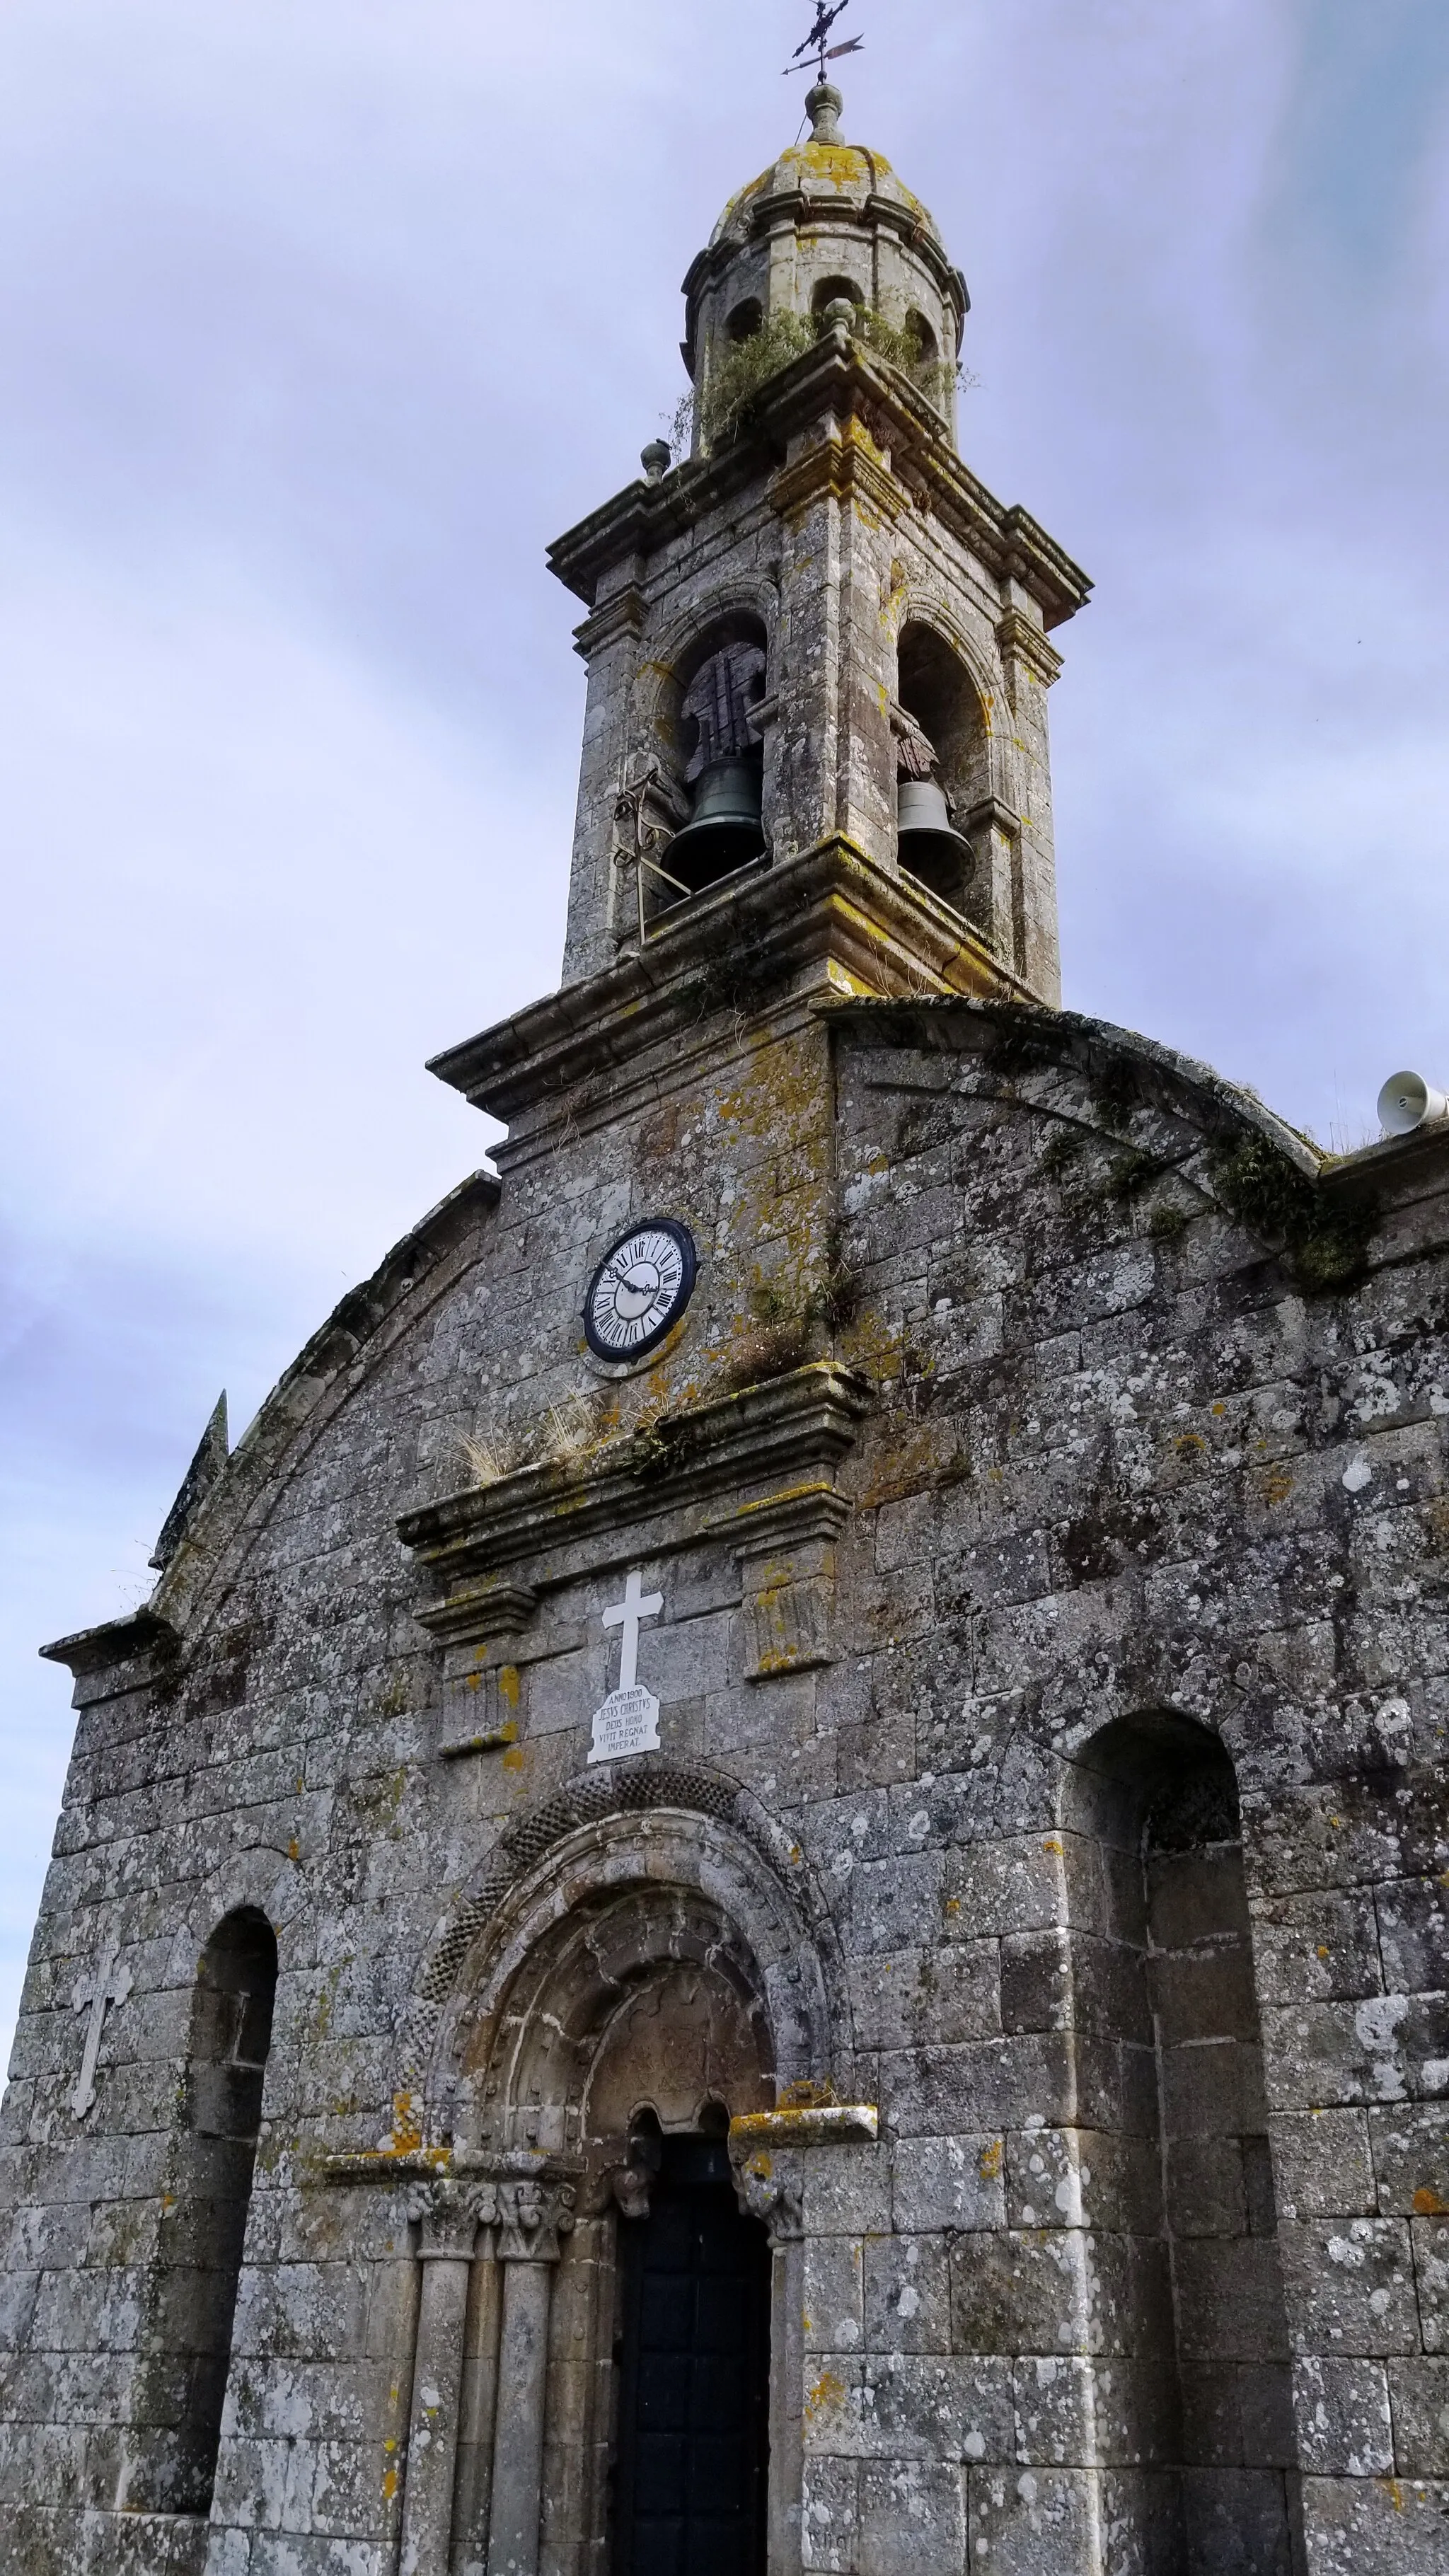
(654, 1823)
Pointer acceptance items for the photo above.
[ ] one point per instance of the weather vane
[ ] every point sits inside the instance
(815, 42)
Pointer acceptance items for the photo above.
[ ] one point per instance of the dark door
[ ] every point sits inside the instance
(695, 2369)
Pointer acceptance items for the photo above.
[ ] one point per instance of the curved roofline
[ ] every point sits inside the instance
(1229, 1104)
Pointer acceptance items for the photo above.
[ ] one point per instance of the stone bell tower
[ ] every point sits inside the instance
(819, 637)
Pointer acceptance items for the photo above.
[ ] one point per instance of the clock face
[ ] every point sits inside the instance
(640, 1288)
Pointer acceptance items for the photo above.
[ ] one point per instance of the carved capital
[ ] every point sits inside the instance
(771, 2188)
(449, 2214)
(533, 2216)
(1023, 645)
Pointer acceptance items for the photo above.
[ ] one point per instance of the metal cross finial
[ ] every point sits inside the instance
(109, 1985)
(626, 1614)
(825, 17)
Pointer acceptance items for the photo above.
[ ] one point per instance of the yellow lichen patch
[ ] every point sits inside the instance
(827, 2390)
(389, 2484)
(990, 2160)
(1428, 2203)
(515, 1759)
(407, 2134)
(1277, 1485)
(1052, 1844)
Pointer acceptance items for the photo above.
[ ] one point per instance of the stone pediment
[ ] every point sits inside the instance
(756, 1468)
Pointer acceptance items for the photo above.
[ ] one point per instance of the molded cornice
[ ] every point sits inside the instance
(787, 1434)
(840, 377)
(827, 921)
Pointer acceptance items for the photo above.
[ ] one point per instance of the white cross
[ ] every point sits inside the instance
(108, 1986)
(626, 1614)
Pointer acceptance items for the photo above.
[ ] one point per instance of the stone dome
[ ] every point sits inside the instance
(827, 167)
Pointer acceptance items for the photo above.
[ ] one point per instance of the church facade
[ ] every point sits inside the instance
(765, 1889)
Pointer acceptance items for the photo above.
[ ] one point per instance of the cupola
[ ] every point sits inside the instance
(828, 223)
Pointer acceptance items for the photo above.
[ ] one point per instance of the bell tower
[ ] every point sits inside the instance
(818, 645)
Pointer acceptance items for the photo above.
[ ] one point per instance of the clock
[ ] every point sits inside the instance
(641, 1288)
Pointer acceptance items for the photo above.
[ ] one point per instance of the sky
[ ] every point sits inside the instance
(322, 319)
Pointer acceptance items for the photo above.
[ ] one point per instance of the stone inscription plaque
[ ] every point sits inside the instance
(627, 1722)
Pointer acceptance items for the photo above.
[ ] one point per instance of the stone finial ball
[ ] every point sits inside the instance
(823, 105)
(838, 314)
(655, 459)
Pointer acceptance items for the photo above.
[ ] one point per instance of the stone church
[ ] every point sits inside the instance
(765, 1889)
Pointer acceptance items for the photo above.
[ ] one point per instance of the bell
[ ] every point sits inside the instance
(724, 830)
(928, 843)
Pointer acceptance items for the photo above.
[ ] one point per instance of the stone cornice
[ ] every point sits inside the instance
(687, 1472)
(124, 1651)
(840, 377)
(827, 921)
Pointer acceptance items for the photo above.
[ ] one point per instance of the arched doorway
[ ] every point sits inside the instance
(622, 2356)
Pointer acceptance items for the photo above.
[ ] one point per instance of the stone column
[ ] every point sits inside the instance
(449, 2214)
(534, 2215)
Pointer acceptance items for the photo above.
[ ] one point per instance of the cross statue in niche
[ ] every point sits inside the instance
(627, 1614)
(109, 1985)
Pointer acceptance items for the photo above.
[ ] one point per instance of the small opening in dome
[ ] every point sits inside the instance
(925, 347)
(830, 288)
(744, 319)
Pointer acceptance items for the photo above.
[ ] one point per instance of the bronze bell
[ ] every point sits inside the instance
(927, 840)
(724, 830)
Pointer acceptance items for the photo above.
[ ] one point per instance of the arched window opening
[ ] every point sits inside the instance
(231, 2029)
(715, 757)
(941, 763)
(744, 319)
(1175, 2179)
(925, 347)
(830, 290)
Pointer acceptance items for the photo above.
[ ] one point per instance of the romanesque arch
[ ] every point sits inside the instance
(644, 1978)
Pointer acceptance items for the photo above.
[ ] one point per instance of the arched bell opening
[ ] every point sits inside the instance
(709, 724)
(1171, 2181)
(941, 763)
